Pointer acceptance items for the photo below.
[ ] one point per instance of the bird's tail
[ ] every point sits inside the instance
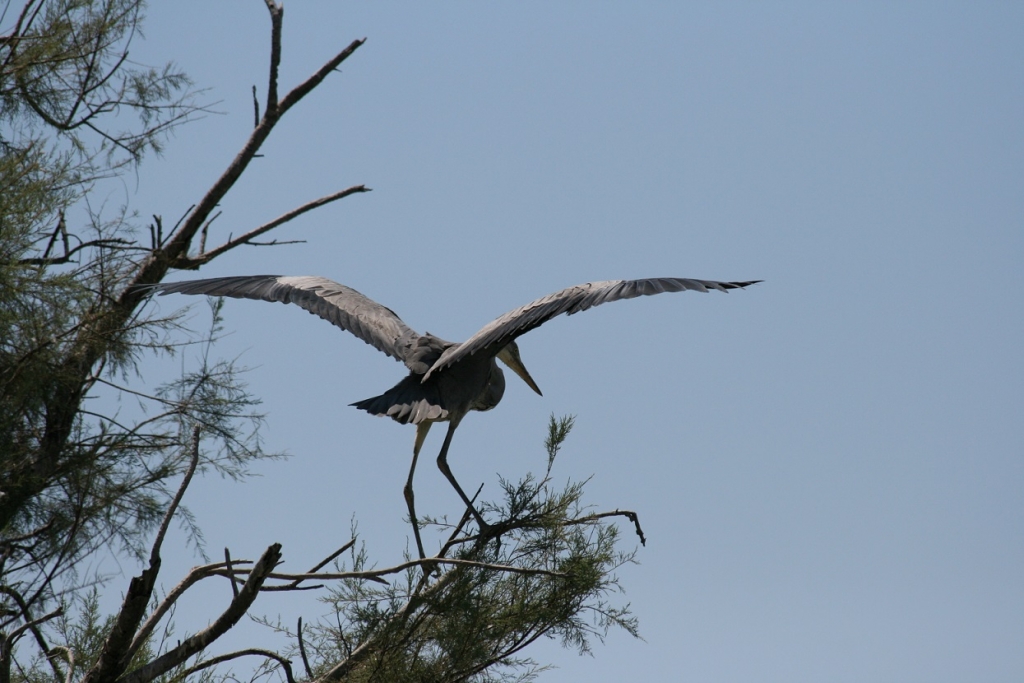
(409, 401)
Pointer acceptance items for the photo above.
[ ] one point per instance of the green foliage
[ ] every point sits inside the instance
(88, 455)
(64, 73)
(549, 574)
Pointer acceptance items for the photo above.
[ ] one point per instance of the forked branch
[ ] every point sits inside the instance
(194, 262)
(200, 641)
(175, 252)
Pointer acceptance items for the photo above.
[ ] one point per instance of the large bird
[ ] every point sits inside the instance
(446, 379)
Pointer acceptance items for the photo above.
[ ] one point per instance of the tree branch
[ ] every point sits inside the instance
(191, 263)
(304, 88)
(302, 650)
(222, 625)
(177, 247)
(154, 553)
(629, 514)
(195, 576)
(376, 574)
(320, 565)
(285, 663)
(118, 650)
(227, 562)
(107, 321)
(68, 253)
(32, 624)
(276, 20)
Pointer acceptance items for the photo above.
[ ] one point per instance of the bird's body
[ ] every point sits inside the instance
(446, 380)
(463, 387)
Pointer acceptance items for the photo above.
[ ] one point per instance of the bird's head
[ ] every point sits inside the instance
(510, 357)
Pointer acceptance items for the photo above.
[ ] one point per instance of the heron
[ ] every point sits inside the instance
(446, 379)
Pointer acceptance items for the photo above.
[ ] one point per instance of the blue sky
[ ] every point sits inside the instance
(829, 466)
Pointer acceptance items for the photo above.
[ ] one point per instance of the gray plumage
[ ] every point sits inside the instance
(446, 379)
(427, 356)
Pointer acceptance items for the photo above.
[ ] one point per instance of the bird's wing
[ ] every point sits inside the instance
(343, 306)
(495, 335)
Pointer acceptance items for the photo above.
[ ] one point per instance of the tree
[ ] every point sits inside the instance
(74, 325)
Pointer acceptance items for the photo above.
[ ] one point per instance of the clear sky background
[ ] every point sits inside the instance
(829, 466)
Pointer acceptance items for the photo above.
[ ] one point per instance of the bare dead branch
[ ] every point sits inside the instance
(304, 88)
(629, 514)
(320, 565)
(194, 644)
(291, 587)
(154, 553)
(376, 574)
(227, 562)
(276, 21)
(274, 243)
(183, 217)
(256, 110)
(30, 625)
(177, 247)
(195, 576)
(285, 663)
(109, 243)
(186, 262)
(158, 221)
(206, 226)
(302, 650)
(59, 229)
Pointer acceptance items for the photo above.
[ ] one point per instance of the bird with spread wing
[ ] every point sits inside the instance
(446, 379)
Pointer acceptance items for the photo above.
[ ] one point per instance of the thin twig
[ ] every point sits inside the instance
(154, 554)
(274, 243)
(256, 108)
(374, 575)
(629, 514)
(294, 585)
(302, 650)
(29, 625)
(285, 663)
(227, 561)
(188, 262)
(68, 253)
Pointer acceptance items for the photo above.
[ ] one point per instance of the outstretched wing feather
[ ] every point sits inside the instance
(339, 305)
(498, 333)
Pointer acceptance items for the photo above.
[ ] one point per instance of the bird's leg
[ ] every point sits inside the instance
(421, 434)
(442, 464)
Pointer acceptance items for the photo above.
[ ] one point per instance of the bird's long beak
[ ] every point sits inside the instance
(510, 357)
